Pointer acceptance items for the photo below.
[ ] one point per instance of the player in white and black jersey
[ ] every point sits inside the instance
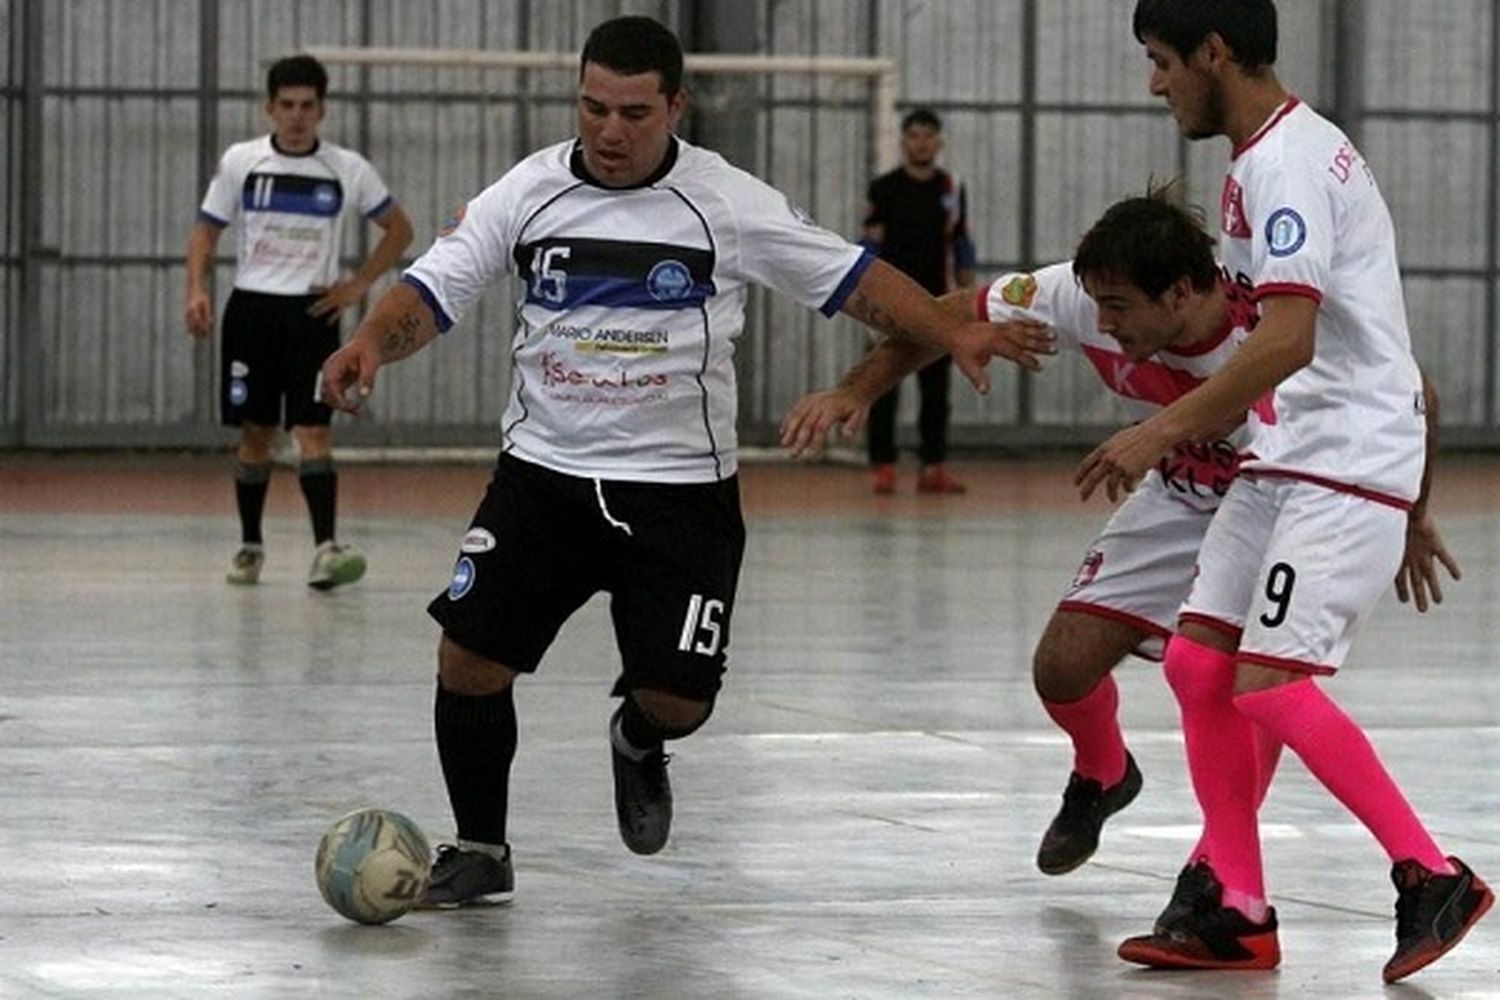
(289, 193)
(1302, 545)
(618, 467)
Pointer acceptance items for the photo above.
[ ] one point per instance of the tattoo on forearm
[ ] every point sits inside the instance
(402, 339)
(871, 313)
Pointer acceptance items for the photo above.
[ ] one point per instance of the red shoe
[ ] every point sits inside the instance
(1433, 913)
(885, 479)
(936, 479)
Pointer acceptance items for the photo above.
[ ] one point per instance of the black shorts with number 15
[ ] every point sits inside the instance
(542, 543)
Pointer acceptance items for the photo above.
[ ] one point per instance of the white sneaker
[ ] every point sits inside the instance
(334, 565)
(245, 570)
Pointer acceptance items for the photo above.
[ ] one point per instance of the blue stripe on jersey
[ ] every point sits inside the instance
(444, 323)
(292, 194)
(576, 290)
(846, 287)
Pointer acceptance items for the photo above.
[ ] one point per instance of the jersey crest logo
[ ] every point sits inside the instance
(1088, 570)
(1019, 291)
(1232, 210)
(669, 281)
(325, 195)
(1285, 232)
(453, 221)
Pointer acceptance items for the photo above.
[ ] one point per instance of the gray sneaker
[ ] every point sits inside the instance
(245, 570)
(462, 878)
(335, 565)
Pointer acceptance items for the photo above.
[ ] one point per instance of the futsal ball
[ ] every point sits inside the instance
(372, 865)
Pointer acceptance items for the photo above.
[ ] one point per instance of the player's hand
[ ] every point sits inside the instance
(807, 425)
(348, 376)
(335, 300)
(1418, 576)
(1119, 463)
(1023, 341)
(199, 315)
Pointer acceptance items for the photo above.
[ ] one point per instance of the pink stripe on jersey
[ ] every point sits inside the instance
(1270, 472)
(1286, 108)
(1150, 381)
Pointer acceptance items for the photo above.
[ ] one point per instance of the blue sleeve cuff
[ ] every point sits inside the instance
(382, 208)
(211, 219)
(444, 324)
(846, 287)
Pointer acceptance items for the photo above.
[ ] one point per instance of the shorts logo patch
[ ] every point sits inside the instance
(1089, 570)
(1019, 291)
(239, 391)
(477, 540)
(1285, 232)
(463, 579)
(238, 369)
(669, 281)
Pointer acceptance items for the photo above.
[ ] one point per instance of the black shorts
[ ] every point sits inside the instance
(272, 349)
(542, 543)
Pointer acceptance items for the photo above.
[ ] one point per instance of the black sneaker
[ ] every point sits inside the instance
(1211, 937)
(1433, 913)
(643, 798)
(464, 878)
(1074, 834)
(1197, 888)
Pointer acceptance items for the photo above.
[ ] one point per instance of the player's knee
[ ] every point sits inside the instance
(672, 715)
(1198, 674)
(1061, 675)
(462, 671)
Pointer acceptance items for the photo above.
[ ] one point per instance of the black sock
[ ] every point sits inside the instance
(250, 485)
(320, 486)
(638, 728)
(476, 738)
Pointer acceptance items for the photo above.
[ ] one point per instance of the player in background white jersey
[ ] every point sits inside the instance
(1301, 547)
(290, 192)
(617, 470)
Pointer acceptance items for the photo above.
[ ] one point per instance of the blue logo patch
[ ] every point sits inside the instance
(1285, 232)
(324, 194)
(238, 392)
(463, 579)
(669, 281)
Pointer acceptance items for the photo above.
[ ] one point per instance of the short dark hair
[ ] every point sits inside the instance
(922, 116)
(1152, 241)
(1248, 27)
(634, 44)
(297, 71)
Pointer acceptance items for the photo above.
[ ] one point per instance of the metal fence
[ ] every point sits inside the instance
(114, 113)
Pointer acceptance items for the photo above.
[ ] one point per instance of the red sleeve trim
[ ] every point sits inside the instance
(982, 303)
(1218, 625)
(1287, 288)
(1283, 663)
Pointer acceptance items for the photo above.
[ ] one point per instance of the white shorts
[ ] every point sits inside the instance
(1296, 568)
(1140, 568)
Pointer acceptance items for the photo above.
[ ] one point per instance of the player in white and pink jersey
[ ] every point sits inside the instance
(1300, 549)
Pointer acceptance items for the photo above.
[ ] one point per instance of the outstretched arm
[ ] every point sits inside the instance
(398, 326)
(897, 306)
(1418, 576)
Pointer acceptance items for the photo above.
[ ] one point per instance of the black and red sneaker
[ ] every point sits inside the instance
(1199, 932)
(1433, 913)
(1073, 836)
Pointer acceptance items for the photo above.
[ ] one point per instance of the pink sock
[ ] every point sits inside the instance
(1222, 759)
(1339, 755)
(1093, 722)
(1267, 755)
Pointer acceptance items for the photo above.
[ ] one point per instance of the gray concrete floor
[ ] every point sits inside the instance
(858, 819)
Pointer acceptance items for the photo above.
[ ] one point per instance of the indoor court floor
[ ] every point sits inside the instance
(859, 818)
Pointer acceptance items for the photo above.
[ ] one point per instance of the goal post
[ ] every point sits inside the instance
(879, 71)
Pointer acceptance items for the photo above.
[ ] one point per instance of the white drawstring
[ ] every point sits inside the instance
(604, 509)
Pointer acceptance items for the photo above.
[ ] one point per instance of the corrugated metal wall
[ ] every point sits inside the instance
(115, 111)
